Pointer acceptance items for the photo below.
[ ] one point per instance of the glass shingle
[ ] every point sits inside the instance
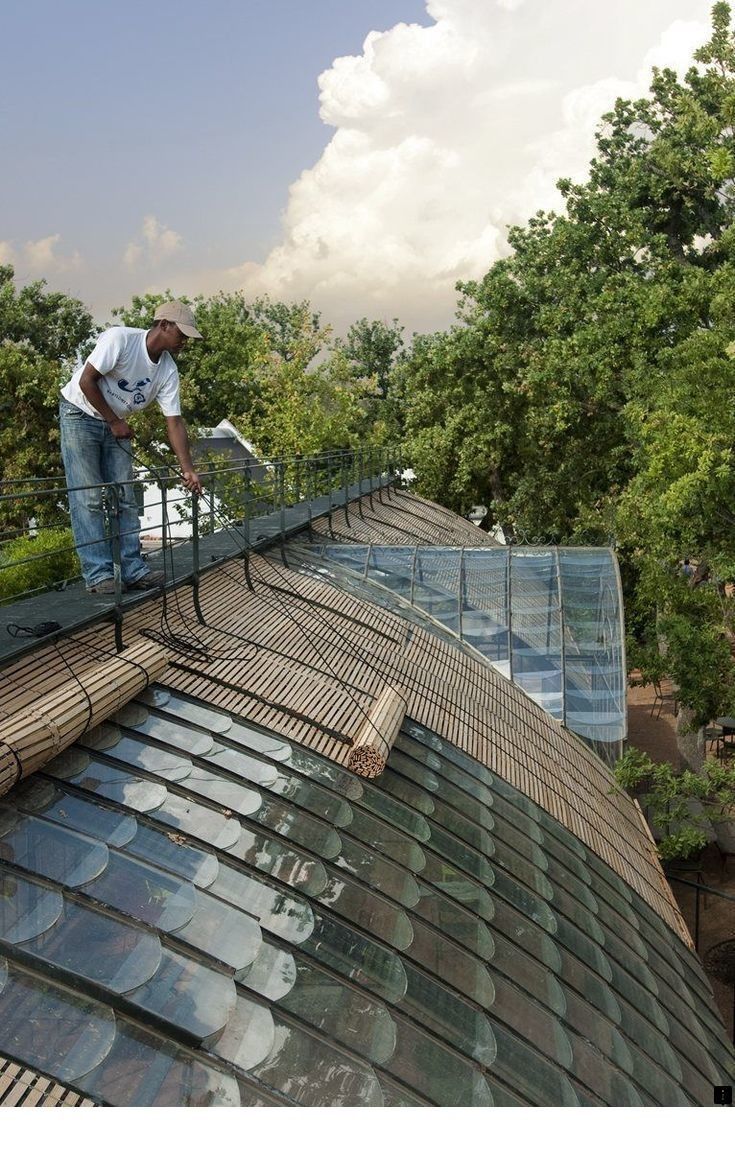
(89, 944)
(151, 895)
(462, 1025)
(354, 955)
(26, 908)
(46, 849)
(452, 920)
(60, 1032)
(47, 799)
(115, 784)
(357, 1022)
(436, 1070)
(378, 873)
(456, 967)
(363, 908)
(428, 938)
(196, 999)
(144, 1068)
(313, 1073)
(272, 857)
(282, 914)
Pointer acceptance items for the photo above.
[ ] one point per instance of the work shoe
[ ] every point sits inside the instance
(106, 588)
(150, 581)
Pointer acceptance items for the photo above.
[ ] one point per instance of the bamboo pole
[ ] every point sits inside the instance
(35, 734)
(374, 741)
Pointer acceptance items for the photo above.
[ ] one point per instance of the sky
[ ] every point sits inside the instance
(364, 155)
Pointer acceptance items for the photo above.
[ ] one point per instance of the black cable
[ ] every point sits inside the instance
(41, 630)
(351, 650)
(182, 645)
(381, 665)
(197, 651)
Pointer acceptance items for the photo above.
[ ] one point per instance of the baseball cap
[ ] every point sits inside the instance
(180, 314)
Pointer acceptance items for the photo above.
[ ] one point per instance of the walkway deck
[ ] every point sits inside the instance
(71, 607)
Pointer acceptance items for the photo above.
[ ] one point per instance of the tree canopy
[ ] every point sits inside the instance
(587, 391)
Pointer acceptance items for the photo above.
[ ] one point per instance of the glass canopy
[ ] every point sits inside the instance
(549, 619)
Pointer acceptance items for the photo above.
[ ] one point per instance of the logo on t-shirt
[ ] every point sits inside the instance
(136, 389)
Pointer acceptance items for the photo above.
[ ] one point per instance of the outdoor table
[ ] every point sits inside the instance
(727, 724)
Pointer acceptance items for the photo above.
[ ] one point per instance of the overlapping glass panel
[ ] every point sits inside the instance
(442, 941)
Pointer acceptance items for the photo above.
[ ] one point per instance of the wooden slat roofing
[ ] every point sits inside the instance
(20, 1086)
(297, 656)
(404, 519)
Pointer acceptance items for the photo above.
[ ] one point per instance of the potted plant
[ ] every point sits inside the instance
(681, 806)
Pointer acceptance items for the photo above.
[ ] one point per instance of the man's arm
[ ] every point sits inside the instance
(88, 383)
(179, 441)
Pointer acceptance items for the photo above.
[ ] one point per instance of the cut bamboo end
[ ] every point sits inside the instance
(374, 741)
(31, 737)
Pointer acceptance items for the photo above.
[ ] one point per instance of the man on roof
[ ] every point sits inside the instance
(126, 371)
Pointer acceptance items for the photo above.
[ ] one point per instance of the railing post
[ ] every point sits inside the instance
(383, 466)
(247, 500)
(329, 493)
(360, 462)
(345, 485)
(281, 479)
(164, 515)
(696, 922)
(111, 510)
(195, 557)
(509, 610)
(310, 484)
(371, 471)
(213, 500)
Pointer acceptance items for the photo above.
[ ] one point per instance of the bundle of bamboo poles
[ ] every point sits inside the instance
(374, 741)
(35, 734)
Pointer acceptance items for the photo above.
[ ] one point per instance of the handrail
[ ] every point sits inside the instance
(700, 888)
(234, 493)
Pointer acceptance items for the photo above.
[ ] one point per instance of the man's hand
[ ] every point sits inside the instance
(120, 429)
(192, 482)
(179, 441)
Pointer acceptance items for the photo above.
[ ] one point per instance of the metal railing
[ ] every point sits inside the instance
(38, 552)
(708, 920)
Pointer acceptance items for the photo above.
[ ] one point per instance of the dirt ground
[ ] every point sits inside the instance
(715, 921)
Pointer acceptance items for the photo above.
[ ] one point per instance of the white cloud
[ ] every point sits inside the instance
(155, 244)
(7, 252)
(42, 256)
(445, 135)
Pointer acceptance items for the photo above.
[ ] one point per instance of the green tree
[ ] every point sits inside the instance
(587, 388)
(371, 348)
(303, 408)
(41, 335)
(292, 331)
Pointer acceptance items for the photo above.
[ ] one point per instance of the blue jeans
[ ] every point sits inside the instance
(92, 457)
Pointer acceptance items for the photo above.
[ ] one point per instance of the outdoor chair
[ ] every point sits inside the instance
(713, 740)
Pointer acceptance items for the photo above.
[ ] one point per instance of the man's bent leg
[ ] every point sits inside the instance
(81, 450)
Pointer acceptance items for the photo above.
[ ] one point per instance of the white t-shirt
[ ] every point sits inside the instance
(130, 379)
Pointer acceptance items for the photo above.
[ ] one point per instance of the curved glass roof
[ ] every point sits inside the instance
(195, 912)
(550, 619)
